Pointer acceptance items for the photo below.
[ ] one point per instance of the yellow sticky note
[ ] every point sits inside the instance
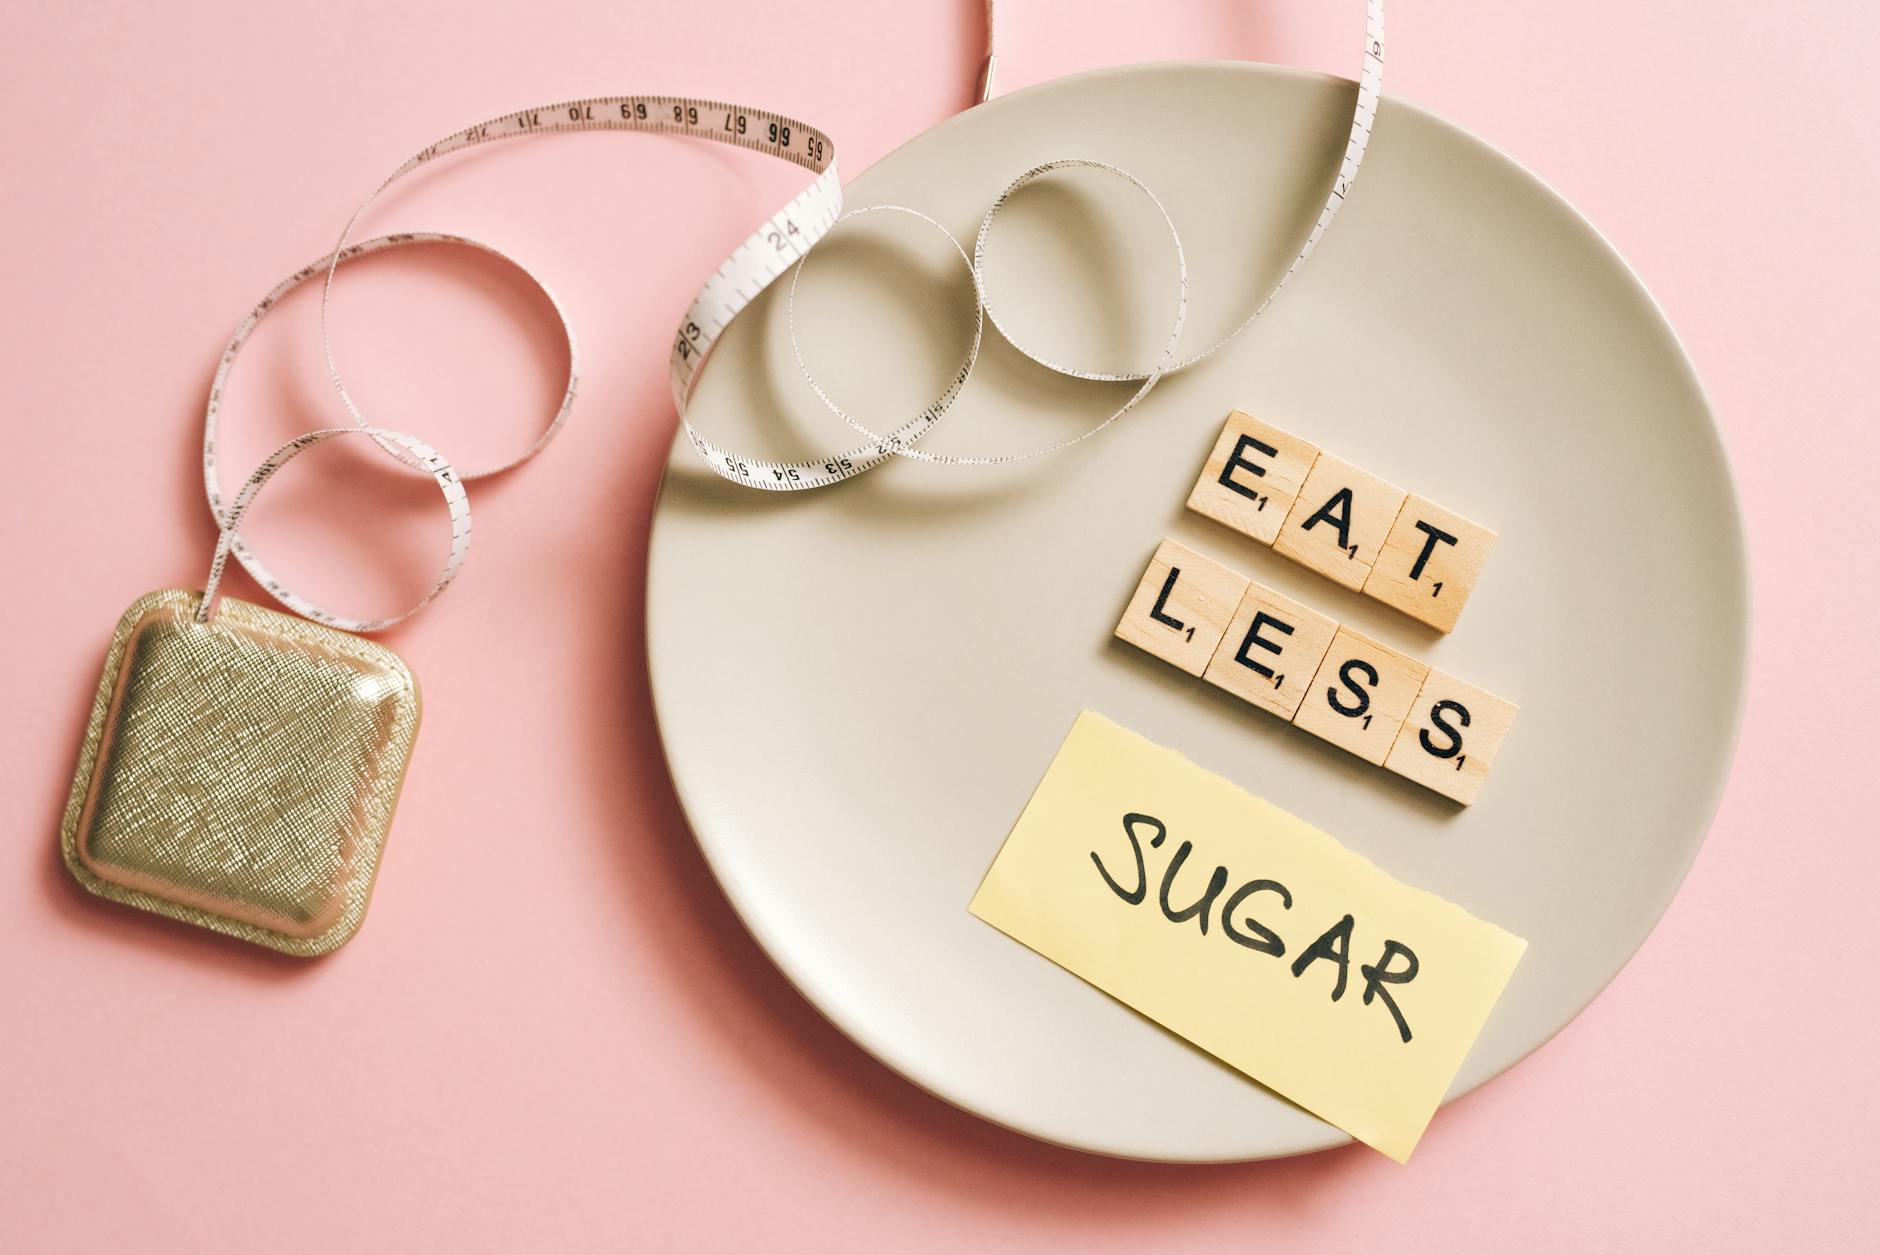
(1249, 932)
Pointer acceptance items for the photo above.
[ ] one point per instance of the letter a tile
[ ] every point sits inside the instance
(1338, 524)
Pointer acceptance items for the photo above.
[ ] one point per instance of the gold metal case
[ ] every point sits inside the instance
(240, 774)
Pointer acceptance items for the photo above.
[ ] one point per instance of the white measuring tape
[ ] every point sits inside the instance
(783, 241)
(765, 255)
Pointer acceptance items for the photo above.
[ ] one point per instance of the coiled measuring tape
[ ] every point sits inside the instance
(781, 242)
(761, 258)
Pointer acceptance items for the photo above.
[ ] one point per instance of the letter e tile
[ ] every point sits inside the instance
(1252, 477)
(1271, 651)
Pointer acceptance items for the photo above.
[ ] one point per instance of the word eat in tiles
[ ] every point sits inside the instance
(1293, 662)
(1343, 522)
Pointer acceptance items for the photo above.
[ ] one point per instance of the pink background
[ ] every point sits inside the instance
(553, 1033)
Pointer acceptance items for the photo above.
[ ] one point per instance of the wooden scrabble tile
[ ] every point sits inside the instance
(1339, 521)
(1429, 562)
(1271, 651)
(1450, 740)
(1360, 696)
(1252, 477)
(1182, 607)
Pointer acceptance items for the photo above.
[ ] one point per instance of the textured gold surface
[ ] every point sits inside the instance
(240, 774)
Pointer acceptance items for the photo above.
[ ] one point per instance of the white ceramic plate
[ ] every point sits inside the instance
(859, 687)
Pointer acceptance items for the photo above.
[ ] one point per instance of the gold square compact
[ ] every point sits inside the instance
(240, 773)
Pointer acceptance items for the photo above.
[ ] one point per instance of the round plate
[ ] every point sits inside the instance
(859, 687)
